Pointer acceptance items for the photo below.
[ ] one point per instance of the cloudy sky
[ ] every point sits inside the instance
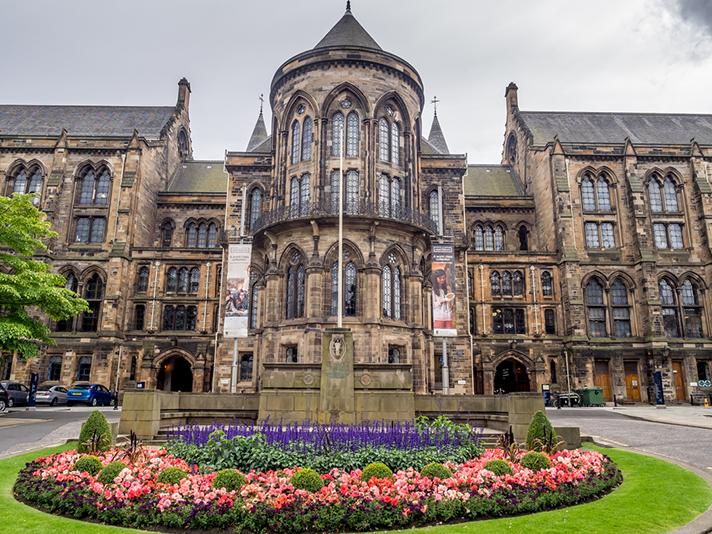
(607, 55)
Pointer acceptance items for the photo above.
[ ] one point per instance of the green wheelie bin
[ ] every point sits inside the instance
(591, 396)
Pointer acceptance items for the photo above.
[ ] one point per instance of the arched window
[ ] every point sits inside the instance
(620, 309)
(552, 368)
(495, 284)
(67, 325)
(588, 195)
(139, 316)
(337, 128)
(668, 300)
(194, 279)
(294, 196)
(489, 238)
(479, 238)
(350, 291)
(183, 144)
(671, 205)
(517, 284)
(93, 294)
(383, 140)
(352, 192)
(84, 369)
(498, 238)
(255, 206)
(166, 233)
(391, 288)
(434, 210)
(212, 235)
(603, 194)
(352, 135)
(94, 190)
(20, 182)
(691, 309)
(172, 280)
(654, 196)
(296, 141)
(384, 195)
(254, 295)
(191, 235)
(54, 369)
(307, 130)
(507, 283)
(523, 235)
(547, 288)
(395, 143)
(512, 149)
(595, 309)
(142, 279)
(295, 287)
(203, 235)
(299, 193)
(335, 186)
(304, 194)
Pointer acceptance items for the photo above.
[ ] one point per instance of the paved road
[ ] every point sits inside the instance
(686, 444)
(22, 430)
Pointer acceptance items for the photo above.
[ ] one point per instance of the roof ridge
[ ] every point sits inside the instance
(659, 113)
(82, 106)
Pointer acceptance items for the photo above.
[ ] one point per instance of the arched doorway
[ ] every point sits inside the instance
(511, 376)
(175, 374)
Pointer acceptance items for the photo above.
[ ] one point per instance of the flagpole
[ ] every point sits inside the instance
(340, 266)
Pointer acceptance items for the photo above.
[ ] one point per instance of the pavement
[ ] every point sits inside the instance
(22, 430)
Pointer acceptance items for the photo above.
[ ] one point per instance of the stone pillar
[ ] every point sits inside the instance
(336, 401)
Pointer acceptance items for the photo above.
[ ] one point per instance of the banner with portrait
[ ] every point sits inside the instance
(443, 280)
(236, 293)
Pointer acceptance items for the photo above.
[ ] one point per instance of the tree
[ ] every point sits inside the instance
(27, 288)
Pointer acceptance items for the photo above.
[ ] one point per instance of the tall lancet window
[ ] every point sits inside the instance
(337, 127)
(307, 133)
(395, 144)
(296, 141)
(353, 135)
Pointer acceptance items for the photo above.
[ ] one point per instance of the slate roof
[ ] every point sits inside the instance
(436, 137)
(427, 148)
(259, 134)
(199, 177)
(347, 32)
(492, 181)
(264, 146)
(84, 121)
(608, 128)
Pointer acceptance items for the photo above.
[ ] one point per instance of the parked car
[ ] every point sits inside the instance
(51, 394)
(89, 394)
(17, 393)
(4, 397)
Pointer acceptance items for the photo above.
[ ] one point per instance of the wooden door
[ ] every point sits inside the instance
(602, 378)
(679, 381)
(632, 381)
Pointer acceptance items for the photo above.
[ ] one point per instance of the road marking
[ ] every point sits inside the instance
(613, 442)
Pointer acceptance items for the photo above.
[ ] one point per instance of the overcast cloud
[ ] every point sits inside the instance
(610, 55)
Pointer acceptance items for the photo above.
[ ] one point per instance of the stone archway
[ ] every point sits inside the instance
(511, 376)
(175, 373)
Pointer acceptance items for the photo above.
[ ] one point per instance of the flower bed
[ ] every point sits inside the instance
(268, 502)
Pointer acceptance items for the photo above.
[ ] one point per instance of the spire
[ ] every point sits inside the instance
(436, 137)
(348, 32)
(259, 134)
(348, 6)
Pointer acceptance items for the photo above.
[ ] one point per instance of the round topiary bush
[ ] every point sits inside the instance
(95, 435)
(229, 479)
(376, 469)
(171, 475)
(307, 479)
(436, 470)
(535, 461)
(541, 434)
(110, 472)
(88, 464)
(499, 467)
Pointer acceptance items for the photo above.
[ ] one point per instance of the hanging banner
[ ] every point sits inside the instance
(237, 291)
(443, 280)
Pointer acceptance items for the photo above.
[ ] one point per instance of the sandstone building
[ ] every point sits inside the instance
(582, 258)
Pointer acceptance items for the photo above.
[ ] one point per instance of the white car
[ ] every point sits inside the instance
(52, 395)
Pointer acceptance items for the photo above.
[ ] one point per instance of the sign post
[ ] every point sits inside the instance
(237, 301)
(32, 401)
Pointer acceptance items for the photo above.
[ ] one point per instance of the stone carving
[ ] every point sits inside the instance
(336, 347)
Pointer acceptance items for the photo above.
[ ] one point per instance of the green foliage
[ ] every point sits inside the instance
(307, 479)
(423, 423)
(110, 472)
(376, 469)
(541, 435)
(90, 464)
(499, 467)
(95, 435)
(535, 461)
(171, 475)
(253, 452)
(436, 470)
(230, 479)
(27, 288)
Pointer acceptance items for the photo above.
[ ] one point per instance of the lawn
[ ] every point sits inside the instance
(656, 496)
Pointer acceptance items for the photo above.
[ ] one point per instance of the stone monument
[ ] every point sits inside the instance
(337, 401)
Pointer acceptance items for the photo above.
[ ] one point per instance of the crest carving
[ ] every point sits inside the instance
(336, 347)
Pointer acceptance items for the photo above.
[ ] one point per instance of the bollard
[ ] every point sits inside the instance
(615, 400)
(706, 403)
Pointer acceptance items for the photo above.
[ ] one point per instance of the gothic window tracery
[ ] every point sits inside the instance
(391, 288)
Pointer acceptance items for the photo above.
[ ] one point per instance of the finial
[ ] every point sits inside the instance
(348, 6)
(435, 104)
(262, 101)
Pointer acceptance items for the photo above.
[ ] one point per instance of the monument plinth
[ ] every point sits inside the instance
(337, 400)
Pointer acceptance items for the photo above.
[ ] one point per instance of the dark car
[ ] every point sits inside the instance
(3, 399)
(89, 394)
(18, 394)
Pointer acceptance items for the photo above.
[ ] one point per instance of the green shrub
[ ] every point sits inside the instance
(307, 479)
(95, 435)
(230, 479)
(535, 461)
(89, 464)
(376, 469)
(171, 475)
(436, 470)
(110, 472)
(541, 435)
(499, 467)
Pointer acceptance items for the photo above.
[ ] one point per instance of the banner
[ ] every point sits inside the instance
(237, 291)
(443, 280)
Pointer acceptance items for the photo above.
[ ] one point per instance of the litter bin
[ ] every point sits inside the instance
(591, 396)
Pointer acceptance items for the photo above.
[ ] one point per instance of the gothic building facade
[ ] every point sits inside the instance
(581, 259)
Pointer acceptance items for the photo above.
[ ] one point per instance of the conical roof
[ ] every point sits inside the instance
(348, 32)
(259, 134)
(436, 136)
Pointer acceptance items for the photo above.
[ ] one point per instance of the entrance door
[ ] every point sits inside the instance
(679, 380)
(632, 381)
(602, 378)
(511, 376)
(175, 374)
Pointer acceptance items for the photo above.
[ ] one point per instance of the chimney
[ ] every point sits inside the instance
(510, 94)
(183, 94)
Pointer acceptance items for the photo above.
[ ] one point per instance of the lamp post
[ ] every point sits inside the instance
(340, 265)
(116, 383)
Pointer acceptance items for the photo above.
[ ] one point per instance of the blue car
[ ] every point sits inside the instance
(89, 394)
